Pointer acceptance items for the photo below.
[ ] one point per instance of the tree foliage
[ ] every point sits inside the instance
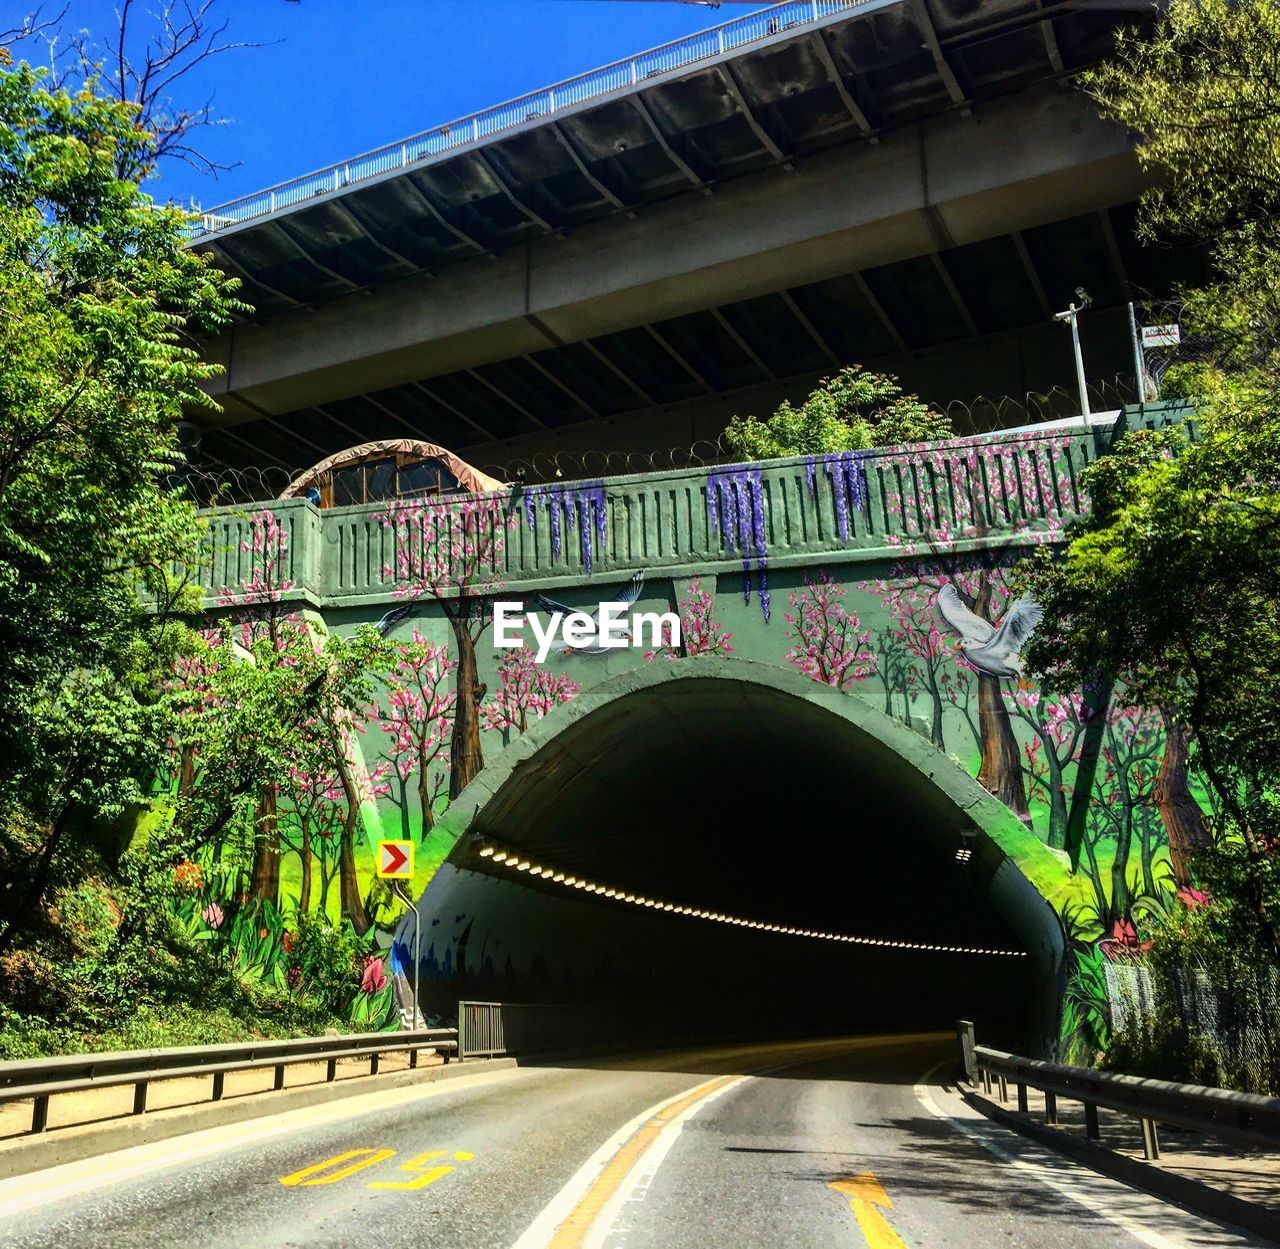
(98, 299)
(1172, 584)
(849, 412)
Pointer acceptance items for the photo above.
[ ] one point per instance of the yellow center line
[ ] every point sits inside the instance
(573, 1231)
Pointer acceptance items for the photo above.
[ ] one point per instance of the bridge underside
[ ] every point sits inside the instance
(746, 801)
(918, 193)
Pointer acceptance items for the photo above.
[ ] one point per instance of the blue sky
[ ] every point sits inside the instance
(348, 75)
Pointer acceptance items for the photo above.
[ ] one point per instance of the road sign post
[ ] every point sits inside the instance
(403, 894)
(395, 863)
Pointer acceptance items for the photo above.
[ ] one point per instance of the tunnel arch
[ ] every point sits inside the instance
(539, 795)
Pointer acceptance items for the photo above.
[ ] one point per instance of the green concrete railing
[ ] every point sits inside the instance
(1001, 489)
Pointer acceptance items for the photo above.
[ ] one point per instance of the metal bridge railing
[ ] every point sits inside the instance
(500, 118)
(1244, 1117)
(42, 1078)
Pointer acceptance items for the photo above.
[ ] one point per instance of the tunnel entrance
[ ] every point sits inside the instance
(724, 839)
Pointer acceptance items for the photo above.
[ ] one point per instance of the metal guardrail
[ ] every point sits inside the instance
(42, 1078)
(1244, 1117)
(523, 1029)
(490, 122)
(490, 1029)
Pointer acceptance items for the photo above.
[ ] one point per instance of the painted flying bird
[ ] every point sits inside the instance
(394, 617)
(624, 598)
(993, 649)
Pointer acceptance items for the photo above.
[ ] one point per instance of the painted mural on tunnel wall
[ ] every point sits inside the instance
(932, 636)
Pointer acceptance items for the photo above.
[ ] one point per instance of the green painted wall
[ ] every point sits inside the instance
(844, 568)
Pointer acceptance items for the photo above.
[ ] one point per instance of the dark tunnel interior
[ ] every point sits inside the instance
(742, 800)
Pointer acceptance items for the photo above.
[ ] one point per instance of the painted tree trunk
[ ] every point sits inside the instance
(1057, 799)
(1095, 708)
(466, 757)
(1124, 842)
(186, 773)
(424, 799)
(264, 882)
(348, 881)
(1001, 770)
(304, 890)
(1184, 822)
(936, 732)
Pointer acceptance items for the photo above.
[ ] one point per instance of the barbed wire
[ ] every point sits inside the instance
(212, 486)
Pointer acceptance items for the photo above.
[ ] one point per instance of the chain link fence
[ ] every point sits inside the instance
(1182, 1024)
(212, 484)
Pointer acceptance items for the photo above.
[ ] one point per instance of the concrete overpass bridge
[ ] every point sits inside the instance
(623, 261)
(818, 797)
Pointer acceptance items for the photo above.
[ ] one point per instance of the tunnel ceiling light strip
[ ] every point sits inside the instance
(553, 876)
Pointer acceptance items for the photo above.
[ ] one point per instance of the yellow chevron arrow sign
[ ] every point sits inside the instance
(865, 1194)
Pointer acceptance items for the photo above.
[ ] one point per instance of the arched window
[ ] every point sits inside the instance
(380, 472)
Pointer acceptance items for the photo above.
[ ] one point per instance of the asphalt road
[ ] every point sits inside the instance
(815, 1144)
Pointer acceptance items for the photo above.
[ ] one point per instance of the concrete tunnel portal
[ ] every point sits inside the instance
(749, 794)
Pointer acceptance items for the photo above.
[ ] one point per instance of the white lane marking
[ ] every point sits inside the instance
(563, 1204)
(642, 1174)
(71, 1179)
(1086, 1188)
(540, 1232)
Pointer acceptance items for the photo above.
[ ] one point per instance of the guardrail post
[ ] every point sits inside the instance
(331, 1071)
(373, 1063)
(218, 1077)
(1022, 1097)
(964, 1038)
(1150, 1140)
(413, 1059)
(40, 1114)
(140, 1097)
(1004, 1088)
(278, 1084)
(1050, 1108)
(1091, 1129)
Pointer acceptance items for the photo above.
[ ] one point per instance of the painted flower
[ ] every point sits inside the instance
(262, 932)
(295, 978)
(187, 876)
(374, 977)
(212, 915)
(1192, 898)
(289, 941)
(1123, 941)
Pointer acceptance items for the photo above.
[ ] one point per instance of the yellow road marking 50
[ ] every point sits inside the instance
(425, 1173)
(309, 1177)
(423, 1168)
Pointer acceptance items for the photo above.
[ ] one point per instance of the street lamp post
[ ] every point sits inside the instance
(1070, 316)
